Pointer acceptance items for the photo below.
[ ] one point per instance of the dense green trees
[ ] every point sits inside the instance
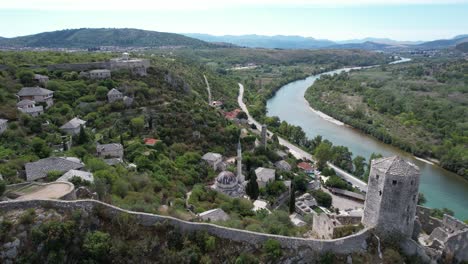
(251, 188)
(419, 107)
(323, 199)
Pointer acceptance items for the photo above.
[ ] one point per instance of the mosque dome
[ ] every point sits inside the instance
(226, 180)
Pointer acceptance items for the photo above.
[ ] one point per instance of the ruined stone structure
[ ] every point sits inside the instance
(392, 196)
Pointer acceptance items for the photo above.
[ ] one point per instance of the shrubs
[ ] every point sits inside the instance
(272, 249)
(323, 199)
(28, 217)
(97, 245)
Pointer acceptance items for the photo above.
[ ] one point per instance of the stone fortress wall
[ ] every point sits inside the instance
(346, 245)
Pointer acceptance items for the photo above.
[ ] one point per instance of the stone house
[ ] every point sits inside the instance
(264, 176)
(83, 175)
(114, 95)
(73, 126)
(42, 79)
(306, 167)
(113, 150)
(3, 125)
(37, 94)
(214, 215)
(283, 165)
(99, 74)
(29, 107)
(39, 169)
(214, 160)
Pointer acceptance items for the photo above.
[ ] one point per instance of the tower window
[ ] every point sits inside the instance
(394, 182)
(414, 198)
(412, 182)
(380, 193)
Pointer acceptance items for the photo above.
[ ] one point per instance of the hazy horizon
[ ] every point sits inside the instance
(337, 20)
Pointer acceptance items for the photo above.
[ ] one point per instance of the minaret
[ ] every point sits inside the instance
(240, 177)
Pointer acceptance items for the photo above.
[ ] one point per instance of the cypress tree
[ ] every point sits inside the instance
(292, 199)
(252, 189)
(82, 137)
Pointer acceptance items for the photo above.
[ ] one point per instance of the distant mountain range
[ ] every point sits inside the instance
(127, 37)
(299, 42)
(95, 37)
(270, 42)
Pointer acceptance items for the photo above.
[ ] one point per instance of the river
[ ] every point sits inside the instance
(440, 187)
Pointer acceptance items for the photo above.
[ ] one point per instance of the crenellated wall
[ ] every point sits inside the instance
(347, 245)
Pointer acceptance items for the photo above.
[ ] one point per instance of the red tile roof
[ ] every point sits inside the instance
(305, 166)
(151, 141)
(233, 114)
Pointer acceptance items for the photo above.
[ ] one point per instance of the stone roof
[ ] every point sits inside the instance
(99, 70)
(211, 156)
(109, 147)
(113, 161)
(283, 165)
(39, 169)
(348, 193)
(74, 123)
(395, 166)
(3, 121)
(265, 174)
(31, 91)
(40, 76)
(214, 215)
(25, 102)
(114, 91)
(84, 175)
(34, 109)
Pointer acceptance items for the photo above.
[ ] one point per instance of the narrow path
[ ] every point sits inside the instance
(208, 89)
(295, 150)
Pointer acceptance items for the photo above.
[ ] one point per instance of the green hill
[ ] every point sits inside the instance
(94, 37)
(463, 47)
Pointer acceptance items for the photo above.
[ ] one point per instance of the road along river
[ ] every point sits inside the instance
(441, 187)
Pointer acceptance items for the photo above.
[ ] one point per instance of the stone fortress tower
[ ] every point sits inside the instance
(392, 196)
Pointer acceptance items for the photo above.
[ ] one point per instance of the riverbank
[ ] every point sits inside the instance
(441, 187)
(414, 117)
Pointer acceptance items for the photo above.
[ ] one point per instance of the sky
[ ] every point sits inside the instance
(410, 20)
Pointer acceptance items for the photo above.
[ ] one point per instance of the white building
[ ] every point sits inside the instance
(73, 126)
(214, 215)
(99, 74)
(29, 107)
(37, 94)
(213, 159)
(264, 176)
(114, 95)
(113, 150)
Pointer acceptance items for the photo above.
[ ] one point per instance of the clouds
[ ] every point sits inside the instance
(157, 5)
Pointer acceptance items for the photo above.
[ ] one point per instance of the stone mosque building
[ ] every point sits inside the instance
(229, 183)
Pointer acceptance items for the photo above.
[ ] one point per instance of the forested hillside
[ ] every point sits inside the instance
(96, 37)
(170, 104)
(420, 107)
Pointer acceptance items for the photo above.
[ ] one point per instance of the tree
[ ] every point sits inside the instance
(421, 199)
(2, 187)
(138, 123)
(272, 249)
(97, 245)
(101, 93)
(300, 182)
(323, 153)
(82, 136)
(252, 189)
(26, 77)
(40, 148)
(359, 163)
(323, 199)
(292, 199)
